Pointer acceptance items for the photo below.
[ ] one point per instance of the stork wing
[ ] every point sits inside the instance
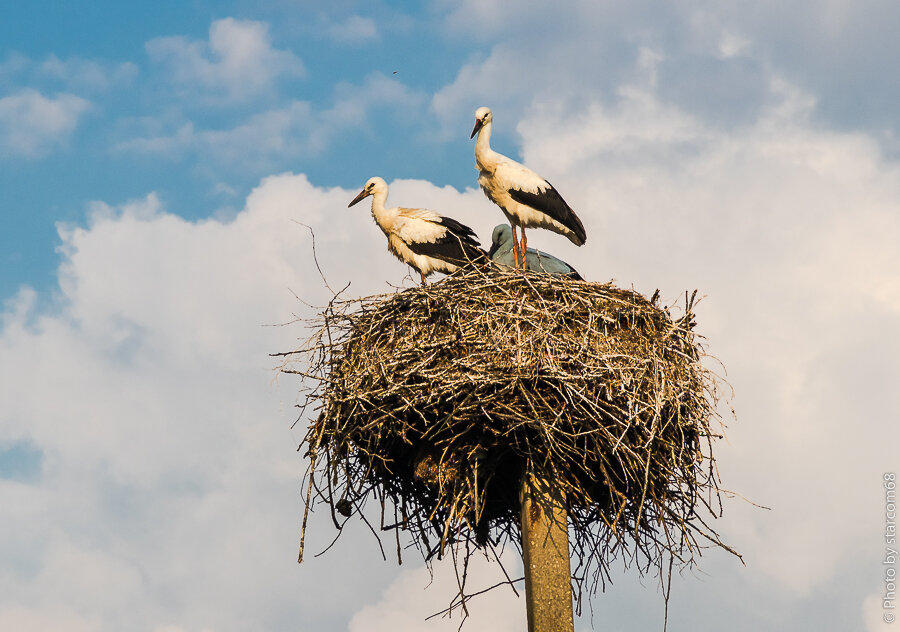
(419, 225)
(457, 228)
(452, 249)
(427, 233)
(549, 201)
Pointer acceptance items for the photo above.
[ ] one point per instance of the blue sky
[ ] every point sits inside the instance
(155, 161)
(116, 92)
(113, 66)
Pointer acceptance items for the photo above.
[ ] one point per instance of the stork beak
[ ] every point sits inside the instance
(362, 194)
(494, 248)
(478, 124)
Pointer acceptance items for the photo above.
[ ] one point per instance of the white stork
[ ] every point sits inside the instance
(421, 238)
(524, 197)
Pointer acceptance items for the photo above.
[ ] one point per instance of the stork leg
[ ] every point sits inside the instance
(515, 245)
(423, 278)
(524, 250)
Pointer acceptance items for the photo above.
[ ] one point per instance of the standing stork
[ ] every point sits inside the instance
(524, 197)
(421, 238)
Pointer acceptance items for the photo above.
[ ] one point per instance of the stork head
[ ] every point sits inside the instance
(373, 186)
(483, 116)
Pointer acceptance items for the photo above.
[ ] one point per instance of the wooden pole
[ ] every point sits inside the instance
(545, 548)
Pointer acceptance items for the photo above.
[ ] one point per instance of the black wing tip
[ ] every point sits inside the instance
(550, 202)
(580, 235)
(456, 227)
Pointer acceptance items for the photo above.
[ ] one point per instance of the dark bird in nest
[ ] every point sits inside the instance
(425, 240)
(501, 253)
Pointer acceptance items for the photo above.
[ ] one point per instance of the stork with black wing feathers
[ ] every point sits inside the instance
(425, 240)
(526, 198)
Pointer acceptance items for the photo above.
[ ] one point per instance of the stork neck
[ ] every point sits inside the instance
(378, 200)
(484, 155)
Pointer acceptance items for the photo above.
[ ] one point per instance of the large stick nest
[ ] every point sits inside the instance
(433, 401)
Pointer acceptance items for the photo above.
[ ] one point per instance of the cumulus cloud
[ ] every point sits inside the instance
(297, 129)
(160, 428)
(833, 49)
(282, 132)
(74, 73)
(716, 58)
(87, 74)
(418, 594)
(237, 63)
(874, 613)
(32, 124)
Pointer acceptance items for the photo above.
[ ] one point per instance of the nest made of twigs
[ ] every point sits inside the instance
(434, 400)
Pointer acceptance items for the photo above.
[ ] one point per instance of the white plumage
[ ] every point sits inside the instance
(425, 240)
(526, 198)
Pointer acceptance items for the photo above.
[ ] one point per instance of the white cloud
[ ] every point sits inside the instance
(279, 133)
(485, 19)
(73, 73)
(16, 618)
(236, 64)
(354, 102)
(169, 477)
(355, 29)
(731, 44)
(172, 145)
(418, 594)
(718, 54)
(878, 618)
(32, 124)
(87, 74)
(294, 130)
